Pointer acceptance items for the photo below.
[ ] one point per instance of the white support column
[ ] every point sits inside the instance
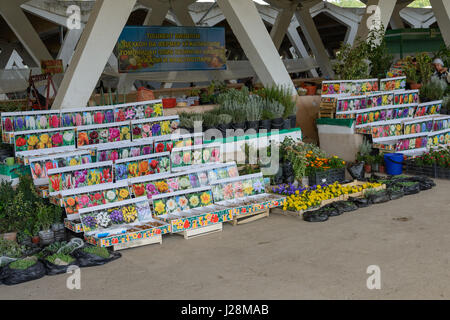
(251, 33)
(299, 47)
(441, 9)
(5, 54)
(350, 35)
(157, 14)
(378, 12)
(281, 25)
(15, 61)
(315, 42)
(68, 47)
(181, 11)
(396, 19)
(106, 22)
(19, 23)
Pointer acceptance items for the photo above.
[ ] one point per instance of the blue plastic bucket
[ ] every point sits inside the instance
(394, 163)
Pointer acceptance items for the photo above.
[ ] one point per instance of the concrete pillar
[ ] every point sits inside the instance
(106, 22)
(315, 42)
(441, 9)
(68, 47)
(281, 25)
(5, 54)
(181, 11)
(19, 23)
(299, 47)
(251, 33)
(377, 14)
(396, 20)
(157, 14)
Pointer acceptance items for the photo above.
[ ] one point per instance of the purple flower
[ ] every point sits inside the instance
(146, 150)
(19, 124)
(151, 190)
(109, 116)
(116, 216)
(103, 156)
(121, 170)
(156, 128)
(67, 121)
(89, 221)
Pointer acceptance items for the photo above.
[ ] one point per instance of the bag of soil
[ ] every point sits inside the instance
(411, 188)
(356, 170)
(425, 183)
(345, 206)
(94, 256)
(395, 193)
(315, 216)
(13, 273)
(330, 211)
(360, 202)
(378, 197)
(58, 263)
(288, 172)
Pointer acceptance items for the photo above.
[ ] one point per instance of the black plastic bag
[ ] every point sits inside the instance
(278, 178)
(53, 269)
(379, 197)
(330, 211)
(315, 216)
(85, 259)
(360, 202)
(356, 170)
(15, 276)
(288, 172)
(395, 194)
(411, 189)
(345, 206)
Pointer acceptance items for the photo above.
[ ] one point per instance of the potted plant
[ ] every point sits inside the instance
(381, 165)
(310, 89)
(239, 117)
(224, 121)
(277, 110)
(57, 226)
(433, 90)
(44, 216)
(35, 239)
(424, 67)
(266, 119)
(194, 97)
(253, 111)
(368, 162)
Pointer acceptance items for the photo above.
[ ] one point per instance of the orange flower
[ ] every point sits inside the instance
(71, 202)
(143, 167)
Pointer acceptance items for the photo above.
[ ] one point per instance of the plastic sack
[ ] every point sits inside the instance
(356, 170)
(395, 194)
(315, 216)
(288, 172)
(330, 211)
(378, 197)
(85, 259)
(412, 189)
(345, 206)
(12, 276)
(360, 202)
(278, 178)
(53, 269)
(71, 246)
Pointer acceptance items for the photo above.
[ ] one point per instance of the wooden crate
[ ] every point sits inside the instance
(249, 217)
(202, 231)
(138, 243)
(327, 109)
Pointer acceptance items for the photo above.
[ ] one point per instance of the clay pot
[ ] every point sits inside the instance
(415, 86)
(367, 168)
(35, 239)
(381, 168)
(311, 90)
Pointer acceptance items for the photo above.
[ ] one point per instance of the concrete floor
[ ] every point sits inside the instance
(283, 258)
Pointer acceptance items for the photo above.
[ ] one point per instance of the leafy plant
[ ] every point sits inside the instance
(210, 119)
(98, 251)
(22, 264)
(425, 67)
(44, 216)
(224, 119)
(63, 257)
(351, 62)
(281, 94)
(433, 90)
(11, 249)
(410, 70)
(253, 108)
(276, 109)
(377, 53)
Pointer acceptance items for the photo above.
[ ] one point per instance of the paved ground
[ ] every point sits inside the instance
(283, 258)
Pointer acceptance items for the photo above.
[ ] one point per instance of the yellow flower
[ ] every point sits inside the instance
(160, 207)
(123, 193)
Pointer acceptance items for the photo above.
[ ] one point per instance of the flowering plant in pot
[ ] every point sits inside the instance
(44, 216)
